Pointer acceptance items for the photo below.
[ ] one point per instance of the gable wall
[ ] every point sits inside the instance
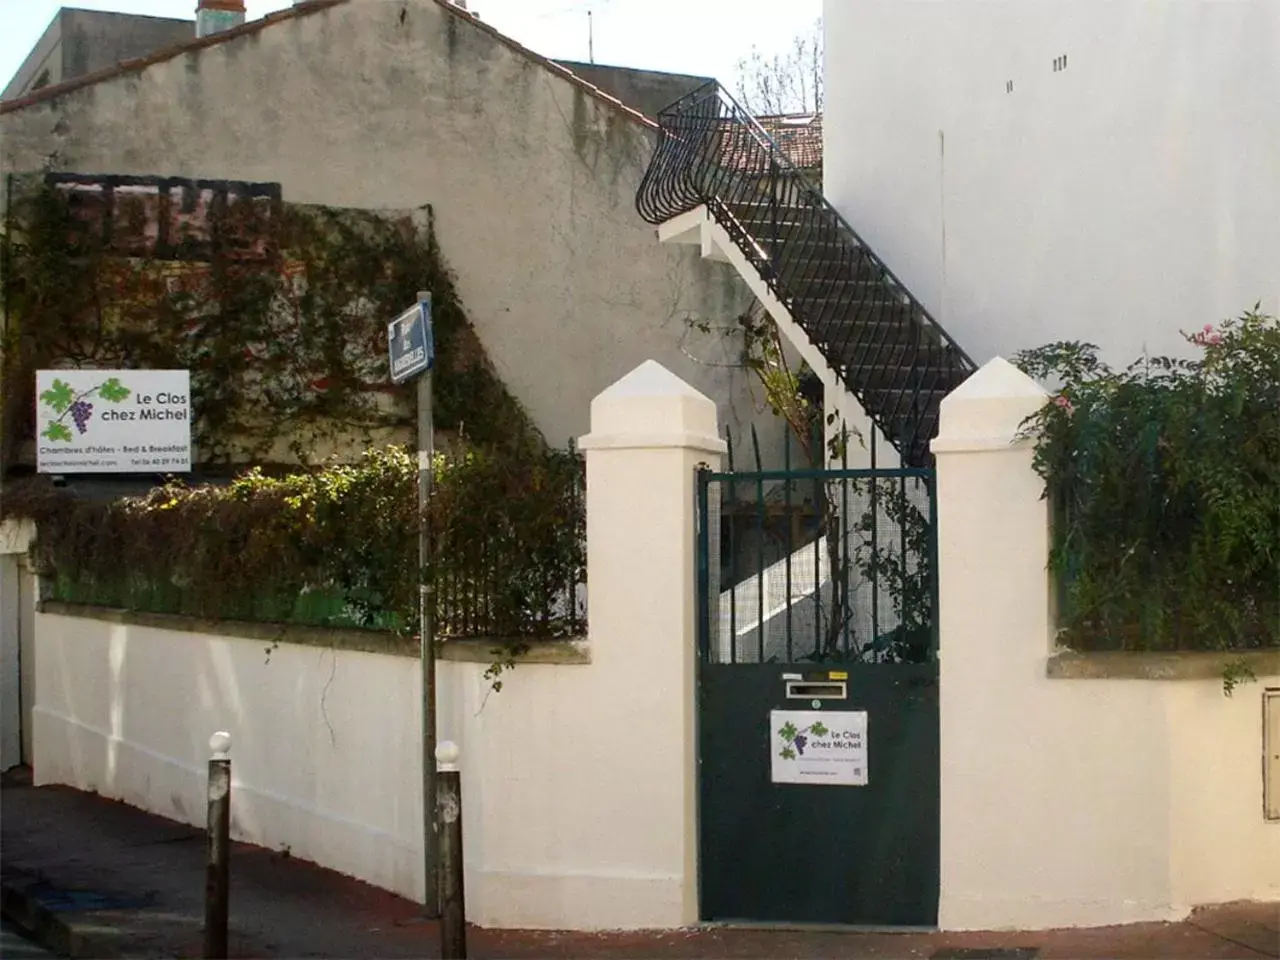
(393, 105)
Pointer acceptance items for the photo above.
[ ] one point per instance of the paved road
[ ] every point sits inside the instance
(14, 947)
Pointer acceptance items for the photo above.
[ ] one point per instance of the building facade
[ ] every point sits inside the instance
(530, 172)
(80, 42)
(1061, 170)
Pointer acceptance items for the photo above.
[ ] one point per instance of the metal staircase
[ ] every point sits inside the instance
(879, 340)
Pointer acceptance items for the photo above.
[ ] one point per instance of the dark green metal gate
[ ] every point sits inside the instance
(818, 697)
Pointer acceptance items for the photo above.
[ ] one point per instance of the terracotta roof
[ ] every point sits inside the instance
(799, 136)
(799, 139)
(301, 10)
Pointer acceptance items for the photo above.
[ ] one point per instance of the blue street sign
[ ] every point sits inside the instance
(412, 342)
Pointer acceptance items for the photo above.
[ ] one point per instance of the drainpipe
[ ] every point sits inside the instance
(213, 16)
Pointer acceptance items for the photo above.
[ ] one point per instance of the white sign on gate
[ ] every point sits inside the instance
(826, 747)
(113, 421)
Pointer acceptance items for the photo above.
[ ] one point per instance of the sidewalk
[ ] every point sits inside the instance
(94, 878)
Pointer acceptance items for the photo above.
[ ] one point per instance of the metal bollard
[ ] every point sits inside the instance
(218, 848)
(453, 909)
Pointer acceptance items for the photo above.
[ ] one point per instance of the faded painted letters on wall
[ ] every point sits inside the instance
(171, 218)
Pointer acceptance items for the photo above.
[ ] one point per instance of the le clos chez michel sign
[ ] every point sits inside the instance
(113, 421)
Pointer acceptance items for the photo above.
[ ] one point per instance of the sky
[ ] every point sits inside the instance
(703, 37)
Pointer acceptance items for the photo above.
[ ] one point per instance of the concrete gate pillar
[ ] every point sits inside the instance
(649, 433)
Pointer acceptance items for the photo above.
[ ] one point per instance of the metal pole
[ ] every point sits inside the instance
(218, 848)
(426, 629)
(453, 907)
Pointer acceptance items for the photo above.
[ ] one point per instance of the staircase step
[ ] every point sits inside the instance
(884, 317)
(799, 272)
(881, 342)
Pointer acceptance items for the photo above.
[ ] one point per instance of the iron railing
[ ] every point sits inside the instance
(523, 582)
(891, 354)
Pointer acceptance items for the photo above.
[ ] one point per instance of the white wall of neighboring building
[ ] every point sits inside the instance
(1120, 200)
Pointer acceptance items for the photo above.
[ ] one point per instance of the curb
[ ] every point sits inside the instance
(49, 930)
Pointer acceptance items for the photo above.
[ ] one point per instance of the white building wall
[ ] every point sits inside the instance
(1119, 200)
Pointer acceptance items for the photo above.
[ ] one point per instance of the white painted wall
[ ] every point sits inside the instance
(585, 775)
(325, 742)
(1120, 200)
(578, 779)
(1069, 802)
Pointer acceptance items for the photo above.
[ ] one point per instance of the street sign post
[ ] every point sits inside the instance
(411, 347)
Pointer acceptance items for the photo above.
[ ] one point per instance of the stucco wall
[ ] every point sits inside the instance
(646, 90)
(578, 778)
(1070, 802)
(1118, 200)
(324, 741)
(532, 180)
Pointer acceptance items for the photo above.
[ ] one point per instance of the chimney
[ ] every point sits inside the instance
(213, 16)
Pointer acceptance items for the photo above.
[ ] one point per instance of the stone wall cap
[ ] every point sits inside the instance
(1159, 664)
(650, 379)
(652, 407)
(997, 379)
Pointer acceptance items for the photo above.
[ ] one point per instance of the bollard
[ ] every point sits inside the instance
(218, 848)
(453, 909)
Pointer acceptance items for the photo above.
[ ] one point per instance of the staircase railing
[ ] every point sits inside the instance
(893, 356)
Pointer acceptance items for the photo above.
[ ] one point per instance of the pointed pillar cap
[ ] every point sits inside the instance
(987, 411)
(651, 408)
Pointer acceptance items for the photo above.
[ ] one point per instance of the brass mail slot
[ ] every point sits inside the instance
(799, 690)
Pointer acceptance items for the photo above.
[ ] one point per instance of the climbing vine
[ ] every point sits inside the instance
(876, 530)
(1164, 479)
(279, 313)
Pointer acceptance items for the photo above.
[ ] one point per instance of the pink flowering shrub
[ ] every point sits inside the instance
(1165, 484)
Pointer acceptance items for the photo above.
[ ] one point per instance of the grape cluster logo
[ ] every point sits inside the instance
(795, 739)
(66, 403)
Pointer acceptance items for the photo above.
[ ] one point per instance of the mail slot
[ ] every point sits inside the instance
(802, 690)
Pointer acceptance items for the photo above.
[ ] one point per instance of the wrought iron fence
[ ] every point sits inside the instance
(509, 547)
(493, 584)
(821, 565)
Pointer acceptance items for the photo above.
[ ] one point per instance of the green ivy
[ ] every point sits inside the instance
(1164, 480)
(287, 351)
